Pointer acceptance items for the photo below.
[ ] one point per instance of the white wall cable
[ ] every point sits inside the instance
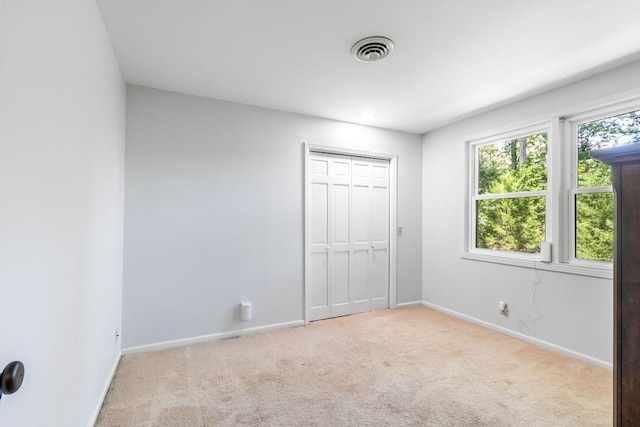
(529, 314)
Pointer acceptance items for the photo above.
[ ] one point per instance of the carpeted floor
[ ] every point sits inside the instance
(407, 367)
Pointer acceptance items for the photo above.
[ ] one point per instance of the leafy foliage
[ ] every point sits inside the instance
(512, 224)
(594, 226)
(594, 211)
(513, 166)
(515, 225)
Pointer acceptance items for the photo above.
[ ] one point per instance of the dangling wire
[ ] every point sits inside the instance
(529, 315)
(533, 290)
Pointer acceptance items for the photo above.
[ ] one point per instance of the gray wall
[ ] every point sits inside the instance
(575, 311)
(214, 213)
(62, 136)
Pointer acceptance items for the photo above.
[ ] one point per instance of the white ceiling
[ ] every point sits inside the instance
(451, 58)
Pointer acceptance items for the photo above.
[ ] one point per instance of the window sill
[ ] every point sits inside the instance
(605, 272)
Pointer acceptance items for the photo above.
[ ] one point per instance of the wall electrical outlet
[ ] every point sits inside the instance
(504, 308)
(399, 231)
(117, 334)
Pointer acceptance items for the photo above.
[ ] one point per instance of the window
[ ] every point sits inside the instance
(540, 184)
(510, 200)
(592, 197)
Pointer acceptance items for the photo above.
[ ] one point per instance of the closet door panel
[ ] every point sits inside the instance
(320, 238)
(359, 289)
(340, 304)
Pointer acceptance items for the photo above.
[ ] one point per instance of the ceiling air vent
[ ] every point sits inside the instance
(372, 49)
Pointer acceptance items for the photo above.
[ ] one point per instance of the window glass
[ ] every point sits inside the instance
(514, 224)
(608, 132)
(593, 207)
(510, 204)
(594, 226)
(513, 166)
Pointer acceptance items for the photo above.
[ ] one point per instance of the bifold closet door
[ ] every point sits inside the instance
(349, 247)
(319, 237)
(379, 256)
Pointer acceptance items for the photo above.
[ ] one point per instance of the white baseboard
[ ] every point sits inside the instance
(408, 304)
(549, 346)
(107, 384)
(207, 338)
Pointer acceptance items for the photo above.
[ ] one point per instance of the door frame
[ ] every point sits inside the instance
(393, 217)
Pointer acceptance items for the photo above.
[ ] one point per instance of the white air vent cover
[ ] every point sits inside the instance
(372, 49)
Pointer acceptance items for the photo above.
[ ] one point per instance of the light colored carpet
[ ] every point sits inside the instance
(408, 367)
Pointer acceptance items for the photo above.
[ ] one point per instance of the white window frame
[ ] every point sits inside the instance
(560, 167)
(571, 149)
(561, 185)
(473, 196)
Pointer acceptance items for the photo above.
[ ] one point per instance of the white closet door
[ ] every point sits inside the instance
(319, 237)
(340, 252)
(380, 235)
(361, 221)
(349, 247)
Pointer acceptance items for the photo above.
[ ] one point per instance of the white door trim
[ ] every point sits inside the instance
(393, 217)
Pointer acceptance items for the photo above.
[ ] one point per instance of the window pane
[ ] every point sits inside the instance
(594, 226)
(513, 166)
(516, 225)
(608, 132)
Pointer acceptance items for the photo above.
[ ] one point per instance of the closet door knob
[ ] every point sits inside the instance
(11, 378)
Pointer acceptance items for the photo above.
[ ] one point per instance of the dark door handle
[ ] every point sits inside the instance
(11, 378)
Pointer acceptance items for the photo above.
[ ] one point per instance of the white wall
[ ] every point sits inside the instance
(214, 213)
(576, 311)
(62, 129)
